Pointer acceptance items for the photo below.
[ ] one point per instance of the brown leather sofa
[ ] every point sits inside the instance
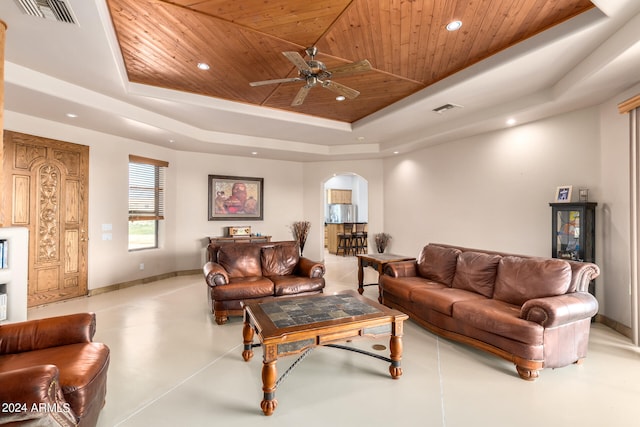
(237, 272)
(534, 312)
(51, 373)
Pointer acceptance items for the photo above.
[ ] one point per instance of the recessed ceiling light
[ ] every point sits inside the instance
(396, 152)
(72, 115)
(172, 141)
(340, 98)
(511, 122)
(254, 153)
(454, 25)
(203, 66)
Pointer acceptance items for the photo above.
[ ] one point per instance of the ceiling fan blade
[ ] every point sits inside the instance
(275, 81)
(354, 67)
(302, 94)
(297, 60)
(340, 89)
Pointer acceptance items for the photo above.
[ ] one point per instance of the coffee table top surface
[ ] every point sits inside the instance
(289, 315)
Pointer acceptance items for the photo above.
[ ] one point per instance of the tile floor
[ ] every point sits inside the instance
(171, 365)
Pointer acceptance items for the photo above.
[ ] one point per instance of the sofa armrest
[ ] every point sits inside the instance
(401, 269)
(560, 310)
(44, 333)
(215, 274)
(309, 268)
(33, 394)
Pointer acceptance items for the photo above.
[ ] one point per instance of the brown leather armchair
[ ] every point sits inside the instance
(237, 272)
(51, 373)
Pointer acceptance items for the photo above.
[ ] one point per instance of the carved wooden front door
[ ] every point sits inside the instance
(46, 189)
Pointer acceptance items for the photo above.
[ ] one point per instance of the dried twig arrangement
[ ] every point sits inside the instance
(300, 230)
(382, 240)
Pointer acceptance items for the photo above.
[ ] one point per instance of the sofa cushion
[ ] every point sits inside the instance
(404, 286)
(442, 299)
(476, 272)
(521, 279)
(241, 260)
(244, 288)
(438, 263)
(499, 318)
(293, 285)
(279, 260)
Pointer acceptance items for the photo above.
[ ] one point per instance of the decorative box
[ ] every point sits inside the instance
(244, 230)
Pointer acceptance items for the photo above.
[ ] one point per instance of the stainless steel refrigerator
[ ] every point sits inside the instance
(339, 213)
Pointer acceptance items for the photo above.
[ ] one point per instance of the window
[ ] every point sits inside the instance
(146, 201)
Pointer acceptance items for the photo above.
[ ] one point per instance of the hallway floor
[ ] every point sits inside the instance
(171, 365)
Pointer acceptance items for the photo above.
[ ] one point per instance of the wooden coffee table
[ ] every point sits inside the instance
(289, 326)
(377, 261)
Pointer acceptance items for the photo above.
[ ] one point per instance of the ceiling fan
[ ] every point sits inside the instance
(315, 73)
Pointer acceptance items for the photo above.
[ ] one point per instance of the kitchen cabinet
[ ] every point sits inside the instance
(335, 196)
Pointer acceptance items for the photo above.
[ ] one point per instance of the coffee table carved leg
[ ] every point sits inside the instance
(269, 374)
(395, 345)
(247, 335)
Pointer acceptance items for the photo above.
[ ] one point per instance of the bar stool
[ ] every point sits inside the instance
(360, 239)
(345, 239)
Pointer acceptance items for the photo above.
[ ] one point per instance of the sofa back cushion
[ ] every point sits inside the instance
(438, 263)
(280, 259)
(476, 272)
(240, 259)
(522, 279)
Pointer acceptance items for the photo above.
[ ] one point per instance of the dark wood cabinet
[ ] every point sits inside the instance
(573, 232)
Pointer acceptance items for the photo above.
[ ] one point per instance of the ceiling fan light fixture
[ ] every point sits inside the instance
(203, 66)
(454, 25)
(340, 98)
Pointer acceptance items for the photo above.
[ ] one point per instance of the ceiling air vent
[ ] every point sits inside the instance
(54, 10)
(446, 107)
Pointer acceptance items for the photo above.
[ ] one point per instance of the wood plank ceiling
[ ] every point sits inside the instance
(405, 41)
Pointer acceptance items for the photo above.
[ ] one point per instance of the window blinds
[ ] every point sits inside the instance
(146, 188)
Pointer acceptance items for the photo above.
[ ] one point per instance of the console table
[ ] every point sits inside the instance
(377, 261)
(239, 239)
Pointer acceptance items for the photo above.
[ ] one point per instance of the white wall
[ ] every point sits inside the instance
(282, 200)
(492, 191)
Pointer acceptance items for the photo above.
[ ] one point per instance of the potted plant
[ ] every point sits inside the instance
(382, 240)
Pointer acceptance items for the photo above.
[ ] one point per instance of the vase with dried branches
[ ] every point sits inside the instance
(382, 240)
(300, 230)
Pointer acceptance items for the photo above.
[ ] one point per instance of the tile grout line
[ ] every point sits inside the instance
(177, 385)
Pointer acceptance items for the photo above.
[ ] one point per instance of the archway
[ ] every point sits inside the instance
(346, 199)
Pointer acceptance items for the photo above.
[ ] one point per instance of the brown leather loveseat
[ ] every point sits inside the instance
(237, 272)
(534, 312)
(51, 373)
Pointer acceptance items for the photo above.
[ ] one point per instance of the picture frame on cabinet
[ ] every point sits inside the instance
(563, 194)
(235, 197)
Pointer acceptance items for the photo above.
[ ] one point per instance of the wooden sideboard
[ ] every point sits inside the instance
(239, 239)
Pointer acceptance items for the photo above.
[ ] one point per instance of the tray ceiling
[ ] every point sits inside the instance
(405, 40)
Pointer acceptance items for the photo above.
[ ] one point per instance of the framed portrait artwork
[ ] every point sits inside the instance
(563, 194)
(235, 197)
